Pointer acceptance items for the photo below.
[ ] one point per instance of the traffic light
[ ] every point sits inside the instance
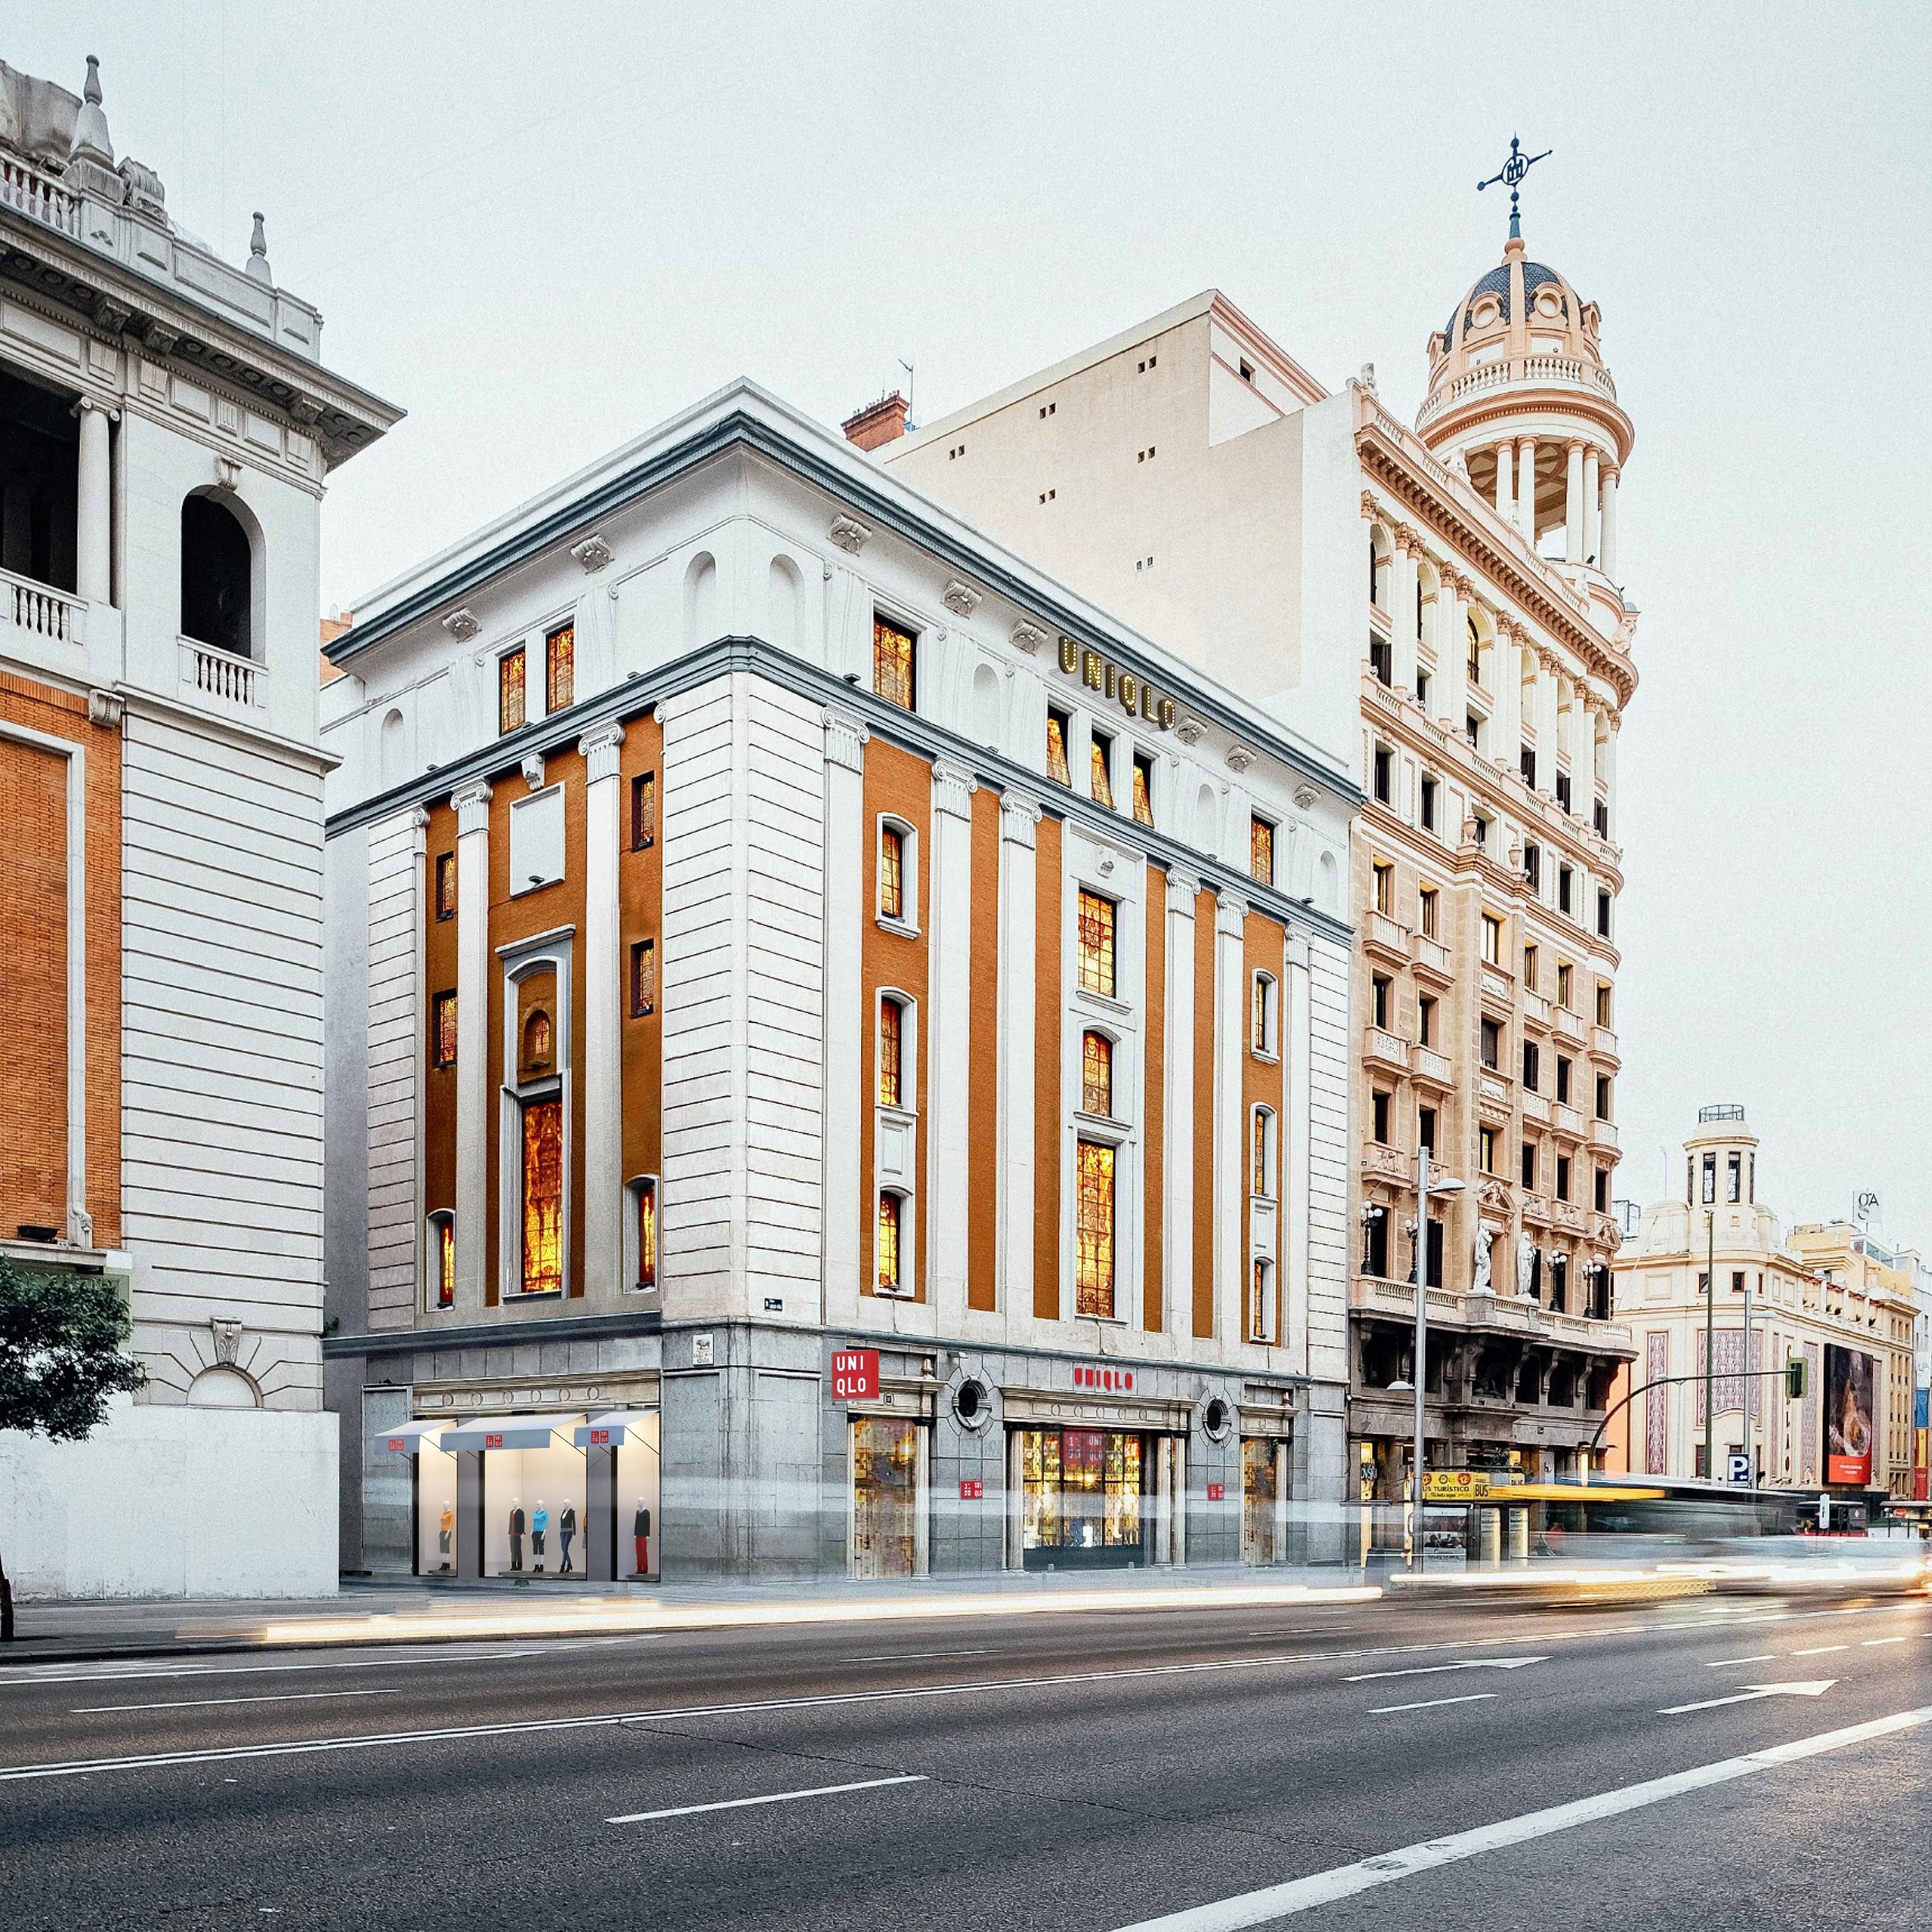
(1794, 1377)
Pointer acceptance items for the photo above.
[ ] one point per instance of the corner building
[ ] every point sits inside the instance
(769, 919)
(1444, 601)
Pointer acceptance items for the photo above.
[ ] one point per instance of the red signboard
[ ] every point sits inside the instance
(599, 1437)
(1103, 1379)
(855, 1375)
(971, 1489)
(399, 1442)
(492, 1442)
(1217, 1492)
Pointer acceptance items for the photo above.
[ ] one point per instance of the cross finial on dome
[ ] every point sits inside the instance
(1511, 175)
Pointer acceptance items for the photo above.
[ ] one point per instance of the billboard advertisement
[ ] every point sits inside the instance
(1849, 1413)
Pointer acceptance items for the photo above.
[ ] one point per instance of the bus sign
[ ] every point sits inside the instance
(1455, 1486)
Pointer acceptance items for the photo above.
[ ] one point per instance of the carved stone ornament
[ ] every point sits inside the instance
(1368, 505)
(79, 1228)
(593, 553)
(1240, 758)
(227, 1338)
(599, 750)
(962, 599)
(1029, 637)
(106, 708)
(845, 739)
(1305, 796)
(461, 625)
(112, 316)
(849, 534)
(227, 473)
(533, 770)
(160, 338)
(1486, 1234)
(952, 789)
(305, 408)
(1189, 729)
(1019, 820)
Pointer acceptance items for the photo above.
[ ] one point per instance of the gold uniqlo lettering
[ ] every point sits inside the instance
(1130, 690)
(1169, 711)
(1090, 670)
(1112, 676)
(1069, 656)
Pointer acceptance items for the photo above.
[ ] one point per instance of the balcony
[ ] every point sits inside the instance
(1383, 935)
(1387, 1048)
(1493, 1091)
(1497, 985)
(1536, 1009)
(1386, 1163)
(1506, 1314)
(1568, 1025)
(1536, 1108)
(1568, 1122)
(218, 680)
(1431, 1068)
(41, 614)
(1606, 1044)
(1543, 371)
(23, 187)
(1603, 1136)
(1430, 958)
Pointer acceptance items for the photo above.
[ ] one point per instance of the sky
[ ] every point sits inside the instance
(542, 230)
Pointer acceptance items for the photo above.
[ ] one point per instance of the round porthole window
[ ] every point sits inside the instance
(1217, 1418)
(973, 1404)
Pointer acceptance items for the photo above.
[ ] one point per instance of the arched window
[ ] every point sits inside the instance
(892, 1039)
(1266, 1028)
(1261, 1137)
(442, 1258)
(216, 577)
(1097, 1075)
(539, 1051)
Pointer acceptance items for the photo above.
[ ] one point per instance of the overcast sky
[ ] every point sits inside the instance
(541, 239)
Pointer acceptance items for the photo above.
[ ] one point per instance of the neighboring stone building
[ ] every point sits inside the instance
(1191, 475)
(727, 971)
(166, 428)
(1815, 1295)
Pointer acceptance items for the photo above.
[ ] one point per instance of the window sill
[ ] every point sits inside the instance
(894, 1294)
(1103, 1003)
(898, 928)
(1269, 1059)
(517, 1297)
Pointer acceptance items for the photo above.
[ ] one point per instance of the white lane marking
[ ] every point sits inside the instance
(204, 1703)
(1752, 1692)
(907, 1656)
(1435, 1669)
(1725, 1663)
(1821, 1649)
(1432, 1703)
(56, 1680)
(1875, 1643)
(775, 1797)
(1303, 1895)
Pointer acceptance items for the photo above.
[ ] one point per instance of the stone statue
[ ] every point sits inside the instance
(1486, 1234)
(1526, 1264)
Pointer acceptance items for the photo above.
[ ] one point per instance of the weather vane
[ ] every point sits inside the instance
(1511, 175)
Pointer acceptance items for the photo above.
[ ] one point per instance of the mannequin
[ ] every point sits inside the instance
(516, 1532)
(445, 1528)
(640, 1529)
(566, 1528)
(539, 1523)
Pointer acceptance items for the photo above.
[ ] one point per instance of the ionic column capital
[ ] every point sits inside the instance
(599, 748)
(471, 803)
(1019, 820)
(845, 741)
(952, 789)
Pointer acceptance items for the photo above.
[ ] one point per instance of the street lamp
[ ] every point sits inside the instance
(1424, 1187)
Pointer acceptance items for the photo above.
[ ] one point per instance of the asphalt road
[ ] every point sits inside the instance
(1062, 1774)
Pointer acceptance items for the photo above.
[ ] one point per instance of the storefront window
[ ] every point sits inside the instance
(1259, 1491)
(436, 1512)
(1082, 1498)
(886, 1503)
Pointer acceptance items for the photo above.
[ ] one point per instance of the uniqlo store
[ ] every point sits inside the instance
(574, 1496)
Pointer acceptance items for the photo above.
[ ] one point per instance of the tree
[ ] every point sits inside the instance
(62, 1341)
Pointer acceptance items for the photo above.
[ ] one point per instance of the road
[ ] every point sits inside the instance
(1060, 1774)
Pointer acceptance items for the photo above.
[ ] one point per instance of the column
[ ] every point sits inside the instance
(1298, 1178)
(1177, 1061)
(946, 1038)
(848, 1025)
(93, 551)
(1606, 539)
(1572, 505)
(472, 1043)
(1404, 612)
(1525, 488)
(1506, 482)
(1230, 1164)
(1451, 652)
(1019, 835)
(1610, 720)
(603, 1037)
(1591, 542)
(1546, 723)
(1508, 746)
(1583, 762)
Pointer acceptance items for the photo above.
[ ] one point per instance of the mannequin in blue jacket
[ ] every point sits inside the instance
(539, 1522)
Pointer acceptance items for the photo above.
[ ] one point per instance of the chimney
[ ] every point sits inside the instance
(881, 422)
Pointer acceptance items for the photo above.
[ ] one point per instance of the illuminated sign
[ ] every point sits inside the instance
(1455, 1486)
(855, 1375)
(1132, 693)
(972, 1489)
(1121, 1379)
(1848, 1412)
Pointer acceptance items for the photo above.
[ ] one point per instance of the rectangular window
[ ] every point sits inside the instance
(445, 885)
(1529, 958)
(1380, 1108)
(443, 1030)
(647, 1233)
(1381, 659)
(1526, 764)
(1482, 825)
(1492, 1044)
(887, 1247)
(1737, 1281)
(1562, 1176)
(1532, 867)
(560, 669)
(1429, 804)
(1565, 879)
(1056, 748)
(1734, 1175)
(1603, 1190)
(1384, 775)
(1422, 687)
(443, 1230)
(1378, 998)
(1599, 816)
(1564, 976)
(643, 811)
(1261, 1309)
(1093, 1230)
(1427, 902)
(1425, 1021)
(1710, 1179)
(1492, 939)
(644, 978)
(1604, 1110)
(1529, 1164)
(1603, 1003)
(510, 691)
(1375, 1241)
(1532, 1064)
(1425, 1129)
(1603, 914)
(1096, 920)
(1562, 1081)
(1563, 790)
(1143, 790)
(892, 872)
(892, 1020)
(1261, 850)
(1266, 1013)
(1097, 1075)
(1261, 1181)
(543, 1196)
(1385, 879)
(1486, 1148)
(1100, 769)
(893, 667)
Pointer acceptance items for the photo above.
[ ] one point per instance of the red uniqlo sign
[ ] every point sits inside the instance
(599, 1437)
(971, 1489)
(855, 1375)
(1216, 1492)
(1103, 1379)
(492, 1442)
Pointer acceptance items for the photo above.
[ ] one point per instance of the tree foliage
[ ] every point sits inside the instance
(62, 1342)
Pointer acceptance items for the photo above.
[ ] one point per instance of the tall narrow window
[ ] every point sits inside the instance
(1097, 1075)
(892, 872)
(1096, 920)
(510, 691)
(560, 669)
(892, 1028)
(1266, 1013)
(647, 1233)
(1710, 1178)
(1143, 789)
(442, 1258)
(643, 811)
(1603, 915)
(1566, 880)
(1261, 850)
(443, 1030)
(1056, 748)
(1384, 775)
(644, 978)
(1603, 1003)
(1565, 975)
(1429, 804)
(445, 885)
(1093, 1231)
(1486, 1149)
(1425, 1020)
(892, 668)
(1492, 939)
(1532, 1064)
(1260, 1300)
(1425, 900)
(1262, 1180)
(543, 1196)
(1529, 958)
(1385, 882)
(886, 1247)
(1425, 1129)
(1100, 777)
(1491, 1037)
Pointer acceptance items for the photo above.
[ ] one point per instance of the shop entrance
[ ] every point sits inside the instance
(1084, 1499)
(1263, 1486)
(888, 1497)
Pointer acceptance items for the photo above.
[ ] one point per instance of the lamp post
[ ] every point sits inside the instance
(1424, 1187)
(1711, 1346)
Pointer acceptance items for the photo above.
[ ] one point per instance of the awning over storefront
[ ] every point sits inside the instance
(407, 1437)
(506, 1431)
(607, 1431)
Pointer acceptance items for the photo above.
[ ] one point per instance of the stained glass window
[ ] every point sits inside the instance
(643, 811)
(445, 885)
(560, 668)
(1096, 1074)
(892, 872)
(1265, 1012)
(1096, 943)
(543, 1196)
(1093, 1231)
(1056, 749)
(647, 1233)
(891, 1015)
(446, 1262)
(1261, 1323)
(1143, 789)
(442, 1029)
(644, 978)
(1263, 1164)
(510, 691)
(892, 663)
(888, 1242)
(1260, 850)
(537, 1053)
(1101, 779)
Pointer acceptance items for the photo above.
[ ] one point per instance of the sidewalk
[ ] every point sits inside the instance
(402, 1609)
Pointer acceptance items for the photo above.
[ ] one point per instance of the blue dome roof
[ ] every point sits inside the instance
(1497, 283)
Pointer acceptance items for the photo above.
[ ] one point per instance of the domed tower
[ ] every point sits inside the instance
(1519, 398)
